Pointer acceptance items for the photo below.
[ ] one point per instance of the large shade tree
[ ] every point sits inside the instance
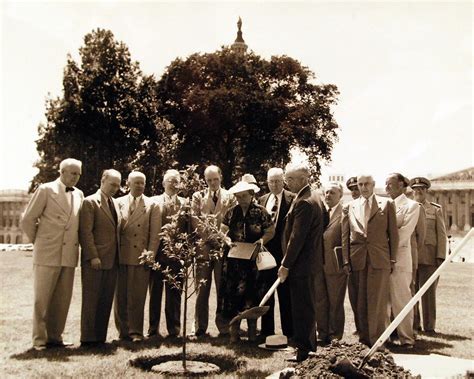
(107, 117)
(244, 113)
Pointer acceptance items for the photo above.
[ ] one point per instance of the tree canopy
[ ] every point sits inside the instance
(244, 113)
(107, 117)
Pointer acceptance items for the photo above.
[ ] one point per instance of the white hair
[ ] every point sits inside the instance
(69, 162)
(171, 173)
(275, 171)
(136, 174)
(300, 167)
(212, 168)
(366, 176)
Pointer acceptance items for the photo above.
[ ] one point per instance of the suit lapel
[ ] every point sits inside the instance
(104, 206)
(139, 210)
(376, 205)
(60, 198)
(336, 215)
(356, 206)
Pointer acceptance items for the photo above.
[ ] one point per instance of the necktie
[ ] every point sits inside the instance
(329, 213)
(133, 205)
(112, 209)
(274, 212)
(366, 212)
(215, 197)
(69, 189)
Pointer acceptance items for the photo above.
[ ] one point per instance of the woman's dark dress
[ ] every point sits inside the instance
(239, 276)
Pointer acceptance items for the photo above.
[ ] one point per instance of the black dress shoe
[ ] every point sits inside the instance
(301, 355)
(92, 344)
(58, 344)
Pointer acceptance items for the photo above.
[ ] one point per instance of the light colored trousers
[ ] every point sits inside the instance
(204, 271)
(400, 295)
(130, 296)
(52, 297)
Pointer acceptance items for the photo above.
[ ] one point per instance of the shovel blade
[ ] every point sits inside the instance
(252, 313)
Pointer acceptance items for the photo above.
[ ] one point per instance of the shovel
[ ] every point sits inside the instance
(344, 365)
(256, 312)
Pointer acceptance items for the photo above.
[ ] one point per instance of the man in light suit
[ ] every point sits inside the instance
(140, 226)
(214, 200)
(335, 272)
(370, 239)
(51, 222)
(433, 252)
(407, 213)
(277, 203)
(169, 203)
(302, 247)
(99, 237)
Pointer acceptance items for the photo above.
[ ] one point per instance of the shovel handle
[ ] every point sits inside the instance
(270, 292)
(383, 337)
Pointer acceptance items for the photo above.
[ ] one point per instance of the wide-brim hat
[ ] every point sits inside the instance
(242, 187)
(276, 342)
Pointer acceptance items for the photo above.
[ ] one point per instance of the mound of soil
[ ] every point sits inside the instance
(326, 363)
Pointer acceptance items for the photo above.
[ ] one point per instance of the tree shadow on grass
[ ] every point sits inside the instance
(63, 354)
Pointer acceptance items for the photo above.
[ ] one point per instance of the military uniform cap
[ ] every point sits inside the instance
(351, 182)
(420, 181)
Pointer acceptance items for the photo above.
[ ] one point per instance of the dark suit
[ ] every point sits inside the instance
(99, 236)
(336, 279)
(268, 277)
(370, 254)
(302, 247)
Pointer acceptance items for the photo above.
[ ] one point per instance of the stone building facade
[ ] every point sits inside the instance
(455, 193)
(12, 205)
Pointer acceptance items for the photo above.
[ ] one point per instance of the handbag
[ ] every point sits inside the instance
(265, 260)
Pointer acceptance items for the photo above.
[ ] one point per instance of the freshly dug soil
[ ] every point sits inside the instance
(326, 363)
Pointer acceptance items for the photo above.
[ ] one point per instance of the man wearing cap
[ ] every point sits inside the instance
(433, 252)
(303, 255)
(51, 222)
(140, 226)
(351, 185)
(370, 241)
(99, 237)
(407, 212)
(214, 200)
(277, 203)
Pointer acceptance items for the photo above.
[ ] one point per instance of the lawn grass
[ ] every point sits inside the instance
(455, 327)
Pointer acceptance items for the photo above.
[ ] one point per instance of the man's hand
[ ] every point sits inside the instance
(96, 264)
(282, 273)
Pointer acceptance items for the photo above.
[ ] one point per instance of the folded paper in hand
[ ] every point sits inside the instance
(243, 250)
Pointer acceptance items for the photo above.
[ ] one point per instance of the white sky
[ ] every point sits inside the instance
(404, 70)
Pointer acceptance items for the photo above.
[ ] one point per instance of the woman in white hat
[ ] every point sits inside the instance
(245, 222)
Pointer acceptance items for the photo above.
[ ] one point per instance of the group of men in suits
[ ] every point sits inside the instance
(321, 248)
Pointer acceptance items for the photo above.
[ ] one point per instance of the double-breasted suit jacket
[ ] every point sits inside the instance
(52, 225)
(99, 237)
(303, 254)
(269, 276)
(336, 279)
(371, 250)
(51, 222)
(138, 231)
